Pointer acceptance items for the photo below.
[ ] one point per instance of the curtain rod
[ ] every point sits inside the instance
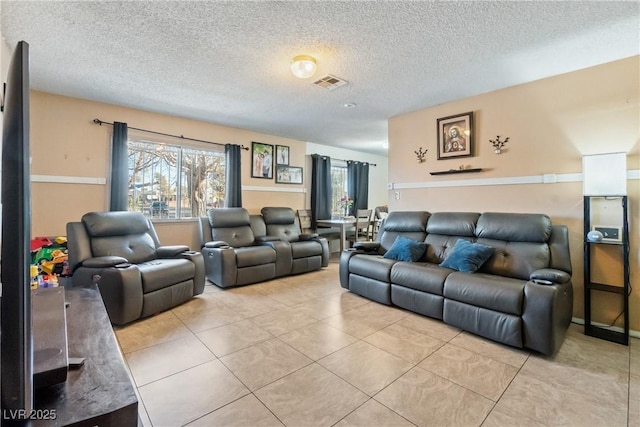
(343, 160)
(101, 122)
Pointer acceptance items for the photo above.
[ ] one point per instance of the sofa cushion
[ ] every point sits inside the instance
(254, 255)
(420, 276)
(405, 249)
(281, 223)
(496, 293)
(453, 223)
(514, 227)
(231, 225)
(136, 248)
(117, 223)
(516, 259)
(160, 273)
(258, 226)
(412, 225)
(498, 326)
(467, 257)
(372, 266)
(305, 249)
(439, 246)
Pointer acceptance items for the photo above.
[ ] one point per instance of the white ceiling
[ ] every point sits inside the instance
(228, 62)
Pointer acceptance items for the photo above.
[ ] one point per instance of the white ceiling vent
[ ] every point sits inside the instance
(330, 82)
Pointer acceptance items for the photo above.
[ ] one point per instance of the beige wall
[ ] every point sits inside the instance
(551, 124)
(378, 174)
(66, 144)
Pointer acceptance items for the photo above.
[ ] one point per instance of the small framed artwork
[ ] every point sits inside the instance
(288, 174)
(261, 160)
(455, 136)
(282, 155)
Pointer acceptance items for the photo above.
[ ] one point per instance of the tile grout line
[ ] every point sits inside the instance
(505, 390)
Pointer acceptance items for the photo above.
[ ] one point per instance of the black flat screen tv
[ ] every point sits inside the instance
(16, 348)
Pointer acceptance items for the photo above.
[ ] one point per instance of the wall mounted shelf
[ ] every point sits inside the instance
(592, 289)
(453, 171)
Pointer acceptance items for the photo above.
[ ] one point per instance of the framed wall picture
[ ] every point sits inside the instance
(261, 160)
(282, 155)
(288, 174)
(455, 136)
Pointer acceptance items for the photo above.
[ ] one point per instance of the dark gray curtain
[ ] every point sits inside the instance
(233, 182)
(119, 200)
(320, 188)
(358, 185)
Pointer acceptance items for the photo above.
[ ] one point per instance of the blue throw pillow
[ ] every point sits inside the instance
(467, 257)
(404, 249)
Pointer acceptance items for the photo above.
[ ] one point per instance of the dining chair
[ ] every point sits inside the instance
(379, 215)
(304, 218)
(363, 227)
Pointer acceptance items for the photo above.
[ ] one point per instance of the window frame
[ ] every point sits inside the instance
(336, 210)
(212, 150)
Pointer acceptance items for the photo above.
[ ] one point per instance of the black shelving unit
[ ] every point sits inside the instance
(622, 289)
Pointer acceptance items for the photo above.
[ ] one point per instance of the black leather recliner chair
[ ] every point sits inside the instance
(136, 276)
(308, 252)
(232, 254)
(240, 249)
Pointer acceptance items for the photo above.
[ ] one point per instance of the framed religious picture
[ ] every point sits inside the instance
(455, 136)
(282, 155)
(288, 174)
(261, 160)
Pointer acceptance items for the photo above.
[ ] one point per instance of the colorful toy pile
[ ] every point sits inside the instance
(48, 261)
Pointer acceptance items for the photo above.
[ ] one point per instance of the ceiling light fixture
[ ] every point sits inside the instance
(303, 66)
(350, 105)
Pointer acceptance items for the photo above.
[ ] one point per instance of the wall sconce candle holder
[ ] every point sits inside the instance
(497, 144)
(421, 154)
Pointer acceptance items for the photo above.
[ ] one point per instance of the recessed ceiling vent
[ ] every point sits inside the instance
(330, 82)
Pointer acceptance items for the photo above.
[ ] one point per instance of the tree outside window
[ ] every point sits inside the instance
(168, 181)
(338, 189)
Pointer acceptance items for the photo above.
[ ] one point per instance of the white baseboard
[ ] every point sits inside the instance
(632, 333)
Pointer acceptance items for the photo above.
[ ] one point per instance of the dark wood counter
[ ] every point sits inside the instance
(100, 392)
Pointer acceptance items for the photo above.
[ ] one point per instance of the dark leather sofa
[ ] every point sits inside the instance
(240, 249)
(137, 277)
(522, 296)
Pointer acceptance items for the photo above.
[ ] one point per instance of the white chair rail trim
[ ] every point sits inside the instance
(552, 178)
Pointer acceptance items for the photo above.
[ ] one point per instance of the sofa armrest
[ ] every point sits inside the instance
(120, 287)
(198, 262)
(121, 291)
(104, 262)
(367, 246)
(308, 236)
(546, 315)
(171, 251)
(284, 258)
(220, 265)
(548, 276)
(216, 244)
(345, 257)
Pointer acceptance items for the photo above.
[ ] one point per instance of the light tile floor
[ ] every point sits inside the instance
(301, 351)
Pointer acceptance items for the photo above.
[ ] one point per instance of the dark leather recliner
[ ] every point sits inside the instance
(240, 249)
(137, 277)
(307, 252)
(232, 255)
(521, 296)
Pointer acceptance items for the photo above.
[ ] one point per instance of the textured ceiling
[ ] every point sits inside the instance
(228, 62)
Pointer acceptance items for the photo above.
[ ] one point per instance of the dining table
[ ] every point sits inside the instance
(342, 224)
